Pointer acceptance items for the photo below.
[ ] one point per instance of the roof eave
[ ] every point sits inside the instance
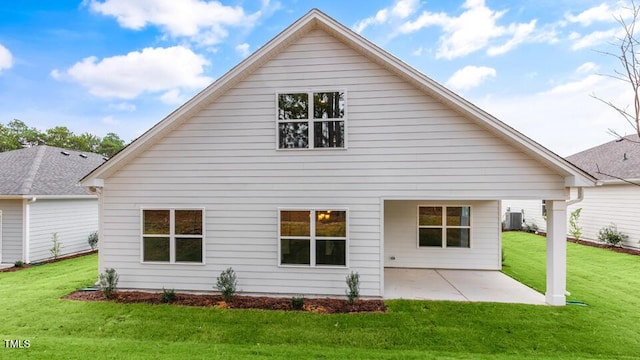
(634, 181)
(49, 197)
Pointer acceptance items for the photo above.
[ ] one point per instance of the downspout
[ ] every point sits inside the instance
(26, 249)
(579, 199)
(98, 191)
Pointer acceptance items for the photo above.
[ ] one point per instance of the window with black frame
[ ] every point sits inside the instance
(311, 120)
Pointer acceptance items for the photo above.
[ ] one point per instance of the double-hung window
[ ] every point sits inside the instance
(172, 235)
(444, 226)
(308, 120)
(313, 237)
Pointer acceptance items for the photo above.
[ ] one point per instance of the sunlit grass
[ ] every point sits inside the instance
(608, 328)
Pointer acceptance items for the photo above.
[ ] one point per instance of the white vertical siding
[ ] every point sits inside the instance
(401, 231)
(401, 144)
(12, 232)
(72, 219)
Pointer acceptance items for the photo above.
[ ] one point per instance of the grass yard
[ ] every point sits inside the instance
(608, 328)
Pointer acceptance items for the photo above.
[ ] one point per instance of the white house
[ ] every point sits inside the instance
(318, 155)
(616, 165)
(40, 195)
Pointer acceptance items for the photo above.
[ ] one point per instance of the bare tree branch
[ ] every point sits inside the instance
(615, 177)
(621, 137)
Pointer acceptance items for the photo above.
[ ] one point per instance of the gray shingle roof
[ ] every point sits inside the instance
(618, 158)
(45, 170)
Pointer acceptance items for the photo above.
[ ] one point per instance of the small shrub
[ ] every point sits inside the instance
(108, 282)
(56, 247)
(504, 257)
(531, 228)
(611, 236)
(353, 287)
(297, 302)
(226, 284)
(92, 239)
(574, 228)
(168, 295)
(18, 264)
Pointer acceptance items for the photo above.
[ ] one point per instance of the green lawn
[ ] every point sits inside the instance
(608, 328)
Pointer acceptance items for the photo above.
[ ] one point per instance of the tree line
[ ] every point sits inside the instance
(17, 135)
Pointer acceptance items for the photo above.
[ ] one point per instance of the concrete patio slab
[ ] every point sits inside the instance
(457, 285)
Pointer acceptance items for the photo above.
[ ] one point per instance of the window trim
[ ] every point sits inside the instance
(313, 239)
(444, 227)
(172, 236)
(310, 120)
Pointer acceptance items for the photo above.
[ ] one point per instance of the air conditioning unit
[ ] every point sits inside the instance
(513, 220)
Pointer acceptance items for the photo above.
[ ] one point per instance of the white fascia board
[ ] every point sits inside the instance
(619, 182)
(92, 182)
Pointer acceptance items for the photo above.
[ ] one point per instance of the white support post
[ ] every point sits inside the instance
(556, 252)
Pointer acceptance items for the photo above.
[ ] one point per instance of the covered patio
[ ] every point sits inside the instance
(457, 285)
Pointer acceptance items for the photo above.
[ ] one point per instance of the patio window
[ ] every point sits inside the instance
(313, 237)
(311, 120)
(172, 235)
(444, 226)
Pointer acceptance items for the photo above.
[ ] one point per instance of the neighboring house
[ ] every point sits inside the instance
(40, 195)
(615, 201)
(318, 155)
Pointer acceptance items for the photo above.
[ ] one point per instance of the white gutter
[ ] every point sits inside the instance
(44, 197)
(618, 182)
(579, 199)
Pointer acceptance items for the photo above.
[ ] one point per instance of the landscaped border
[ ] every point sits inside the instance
(314, 305)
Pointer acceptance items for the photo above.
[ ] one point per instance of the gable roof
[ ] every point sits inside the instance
(316, 19)
(620, 158)
(45, 170)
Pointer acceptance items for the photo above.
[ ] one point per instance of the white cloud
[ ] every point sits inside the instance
(598, 13)
(55, 73)
(243, 49)
(472, 30)
(470, 76)
(564, 118)
(6, 59)
(204, 22)
(151, 70)
(418, 51)
(587, 67)
(594, 38)
(521, 32)
(401, 9)
(173, 97)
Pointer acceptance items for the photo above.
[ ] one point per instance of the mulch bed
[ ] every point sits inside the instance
(314, 305)
(26, 266)
(605, 246)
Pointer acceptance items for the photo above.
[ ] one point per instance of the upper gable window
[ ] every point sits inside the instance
(309, 120)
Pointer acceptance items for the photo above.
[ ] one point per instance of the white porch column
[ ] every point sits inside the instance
(556, 252)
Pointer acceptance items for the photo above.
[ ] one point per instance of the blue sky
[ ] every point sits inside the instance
(121, 66)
